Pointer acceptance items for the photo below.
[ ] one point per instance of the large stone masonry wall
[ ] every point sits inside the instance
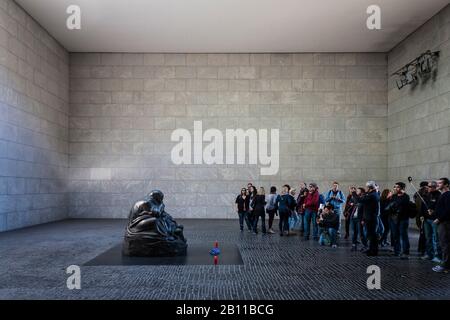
(331, 110)
(419, 116)
(34, 96)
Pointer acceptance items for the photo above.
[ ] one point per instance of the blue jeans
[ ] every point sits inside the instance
(330, 232)
(399, 230)
(380, 227)
(241, 219)
(310, 215)
(432, 239)
(364, 239)
(301, 223)
(293, 219)
(338, 212)
(263, 223)
(385, 221)
(249, 219)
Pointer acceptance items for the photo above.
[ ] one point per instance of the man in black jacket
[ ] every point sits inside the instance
(371, 207)
(427, 216)
(442, 212)
(398, 208)
(285, 203)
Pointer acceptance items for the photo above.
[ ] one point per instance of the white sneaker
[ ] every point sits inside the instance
(334, 246)
(437, 260)
(425, 257)
(440, 269)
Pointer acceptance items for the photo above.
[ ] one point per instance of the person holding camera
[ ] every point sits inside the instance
(398, 209)
(356, 214)
(336, 198)
(328, 222)
(370, 202)
(384, 215)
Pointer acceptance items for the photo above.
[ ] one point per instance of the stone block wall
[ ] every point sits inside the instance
(419, 116)
(34, 96)
(340, 117)
(331, 110)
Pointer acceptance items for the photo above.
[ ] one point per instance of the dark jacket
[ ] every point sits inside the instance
(258, 204)
(443, 207)
(285, 203)
(383, 204)
(242, 203)
(330, 220)
(349, 205)
(370, 206)
(421, 208)
(399, 205)
(292, 203)
(431, 201)
(357, 207)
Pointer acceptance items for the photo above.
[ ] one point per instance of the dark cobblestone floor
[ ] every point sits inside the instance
(33, 263)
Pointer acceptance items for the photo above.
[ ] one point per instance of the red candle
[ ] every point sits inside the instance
(216, 260)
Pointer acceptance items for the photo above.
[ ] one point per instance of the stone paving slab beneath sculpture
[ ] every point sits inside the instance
(34, 260)
(197, 254)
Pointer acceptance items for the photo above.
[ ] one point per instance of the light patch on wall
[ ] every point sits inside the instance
(100, 173)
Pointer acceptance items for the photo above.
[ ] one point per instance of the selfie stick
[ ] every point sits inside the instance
(417, 192)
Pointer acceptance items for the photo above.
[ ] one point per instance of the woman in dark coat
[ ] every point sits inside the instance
(258, 205)
(348, 210)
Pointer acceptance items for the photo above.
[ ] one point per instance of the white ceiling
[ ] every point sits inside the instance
(231, 25)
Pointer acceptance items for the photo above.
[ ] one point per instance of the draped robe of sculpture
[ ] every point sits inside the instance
(151, 231)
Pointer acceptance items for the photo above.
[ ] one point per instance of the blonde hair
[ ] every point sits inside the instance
(293, 191)
(262, 191)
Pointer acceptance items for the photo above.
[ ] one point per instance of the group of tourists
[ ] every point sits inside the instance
(372, 218)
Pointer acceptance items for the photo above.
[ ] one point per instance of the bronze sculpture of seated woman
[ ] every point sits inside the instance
(151, 231)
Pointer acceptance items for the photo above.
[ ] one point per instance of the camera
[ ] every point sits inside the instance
(393, 208)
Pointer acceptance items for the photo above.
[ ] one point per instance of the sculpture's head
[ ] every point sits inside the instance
(156, 195)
